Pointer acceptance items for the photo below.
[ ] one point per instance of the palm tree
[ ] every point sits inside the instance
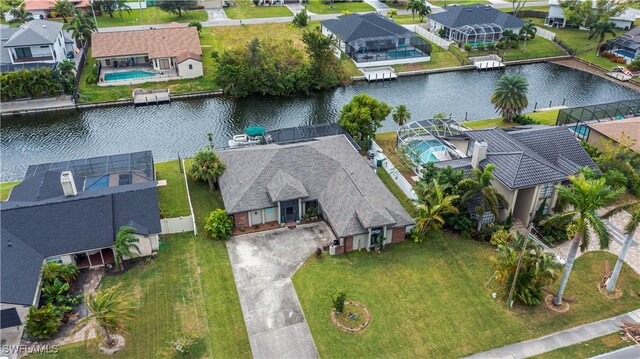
(63, 8)
(630, 229)
(414, 6)
(510, 96)
(401, 115)
(82, 26)
(430, 213)
(207, 166)
(478, 187)
(528, 31)
(67, 69)
(126, 241)
(508, 38)
(586, 196)
(122, 5)
(423, 10)
(111, 309)
(20, 15)
(53, 270)
(600, 30)
(392, 12)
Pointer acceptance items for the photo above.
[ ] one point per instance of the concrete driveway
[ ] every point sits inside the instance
(263, 264)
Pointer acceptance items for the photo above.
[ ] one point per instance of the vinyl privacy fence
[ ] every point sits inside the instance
(176, 225)
(429, 36)
(397, 177)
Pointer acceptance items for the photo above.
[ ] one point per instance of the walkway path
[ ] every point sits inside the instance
(632, 352)
(379, 6)
(560, 339)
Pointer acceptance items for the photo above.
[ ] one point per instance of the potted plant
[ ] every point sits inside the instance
(311, 213)
(282, 221)
(297, 219)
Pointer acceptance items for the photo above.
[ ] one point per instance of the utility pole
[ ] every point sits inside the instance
(94, 16)
(515, 277)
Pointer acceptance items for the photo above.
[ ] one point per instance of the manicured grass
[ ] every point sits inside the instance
(397, 192)
(172, 197)
(245, 9)
(149, 16)
(387, 141)
(406, 19)
(536, 48)
(5, 189)
(430, 300)
(440, 58)
(317, 7)
(442, 3)
(189, 287)
(588, 349)
(530, 8)
(544, 118)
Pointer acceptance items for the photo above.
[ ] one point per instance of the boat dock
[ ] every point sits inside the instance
(553, 108)
(151, 97)
(379, 73)
(488, 62)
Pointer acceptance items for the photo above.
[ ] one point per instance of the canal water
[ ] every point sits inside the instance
(181, 127)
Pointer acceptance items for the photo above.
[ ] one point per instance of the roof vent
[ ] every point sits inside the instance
(9, 243)
(68, 184)
(479, 153)
(45, 25)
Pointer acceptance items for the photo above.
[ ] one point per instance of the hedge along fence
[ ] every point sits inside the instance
(531, 13)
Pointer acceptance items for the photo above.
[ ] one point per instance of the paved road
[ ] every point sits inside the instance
(632, 352)
(560, 339)
(262, 265)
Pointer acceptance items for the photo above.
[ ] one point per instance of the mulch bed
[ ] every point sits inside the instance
(617, 293)
(119, 343)
(548, 301)
(361, 326)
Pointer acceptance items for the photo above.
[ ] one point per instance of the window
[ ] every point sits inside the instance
(56, 259)
(22, 52)
(107, 62)
(545, 210)
(44, 47)
(190, 67)
(546, 191)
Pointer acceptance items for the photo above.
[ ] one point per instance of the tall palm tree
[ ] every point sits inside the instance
(82, 26)
(125, 243)
(586, 196)
(478, 187)
(122, 5)
(401, 115)
(67, 68)
(630, 229)
(414, 6)
(111, 309)
(528, 30)
(430, 213)
(600, 30)
(423, 10)
(392, 12)
(20, 15)
(207, 166)
(510, 96)
(63, 8)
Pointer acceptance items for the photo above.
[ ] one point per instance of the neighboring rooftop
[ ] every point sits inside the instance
(48, 4)
(365, 26)
(327, 169)
(35, 32)
(618, 129)
(155, 43)
(457, 16)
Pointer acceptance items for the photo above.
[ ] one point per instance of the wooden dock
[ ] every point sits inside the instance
(152, 97)
(379, 73)
(488, 62)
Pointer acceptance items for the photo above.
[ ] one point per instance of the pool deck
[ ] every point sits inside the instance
(166, 75)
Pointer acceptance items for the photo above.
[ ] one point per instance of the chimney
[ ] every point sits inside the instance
(479, 153)
(68, 184)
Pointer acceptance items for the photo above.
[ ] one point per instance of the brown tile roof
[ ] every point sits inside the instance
(188, 55)
(618, 129)
(156, 43)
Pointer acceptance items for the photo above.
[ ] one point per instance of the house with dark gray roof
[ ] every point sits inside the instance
(283, 183)
(35, 44)
(373, 40)
(475, 24)
(530, 163)
(70, 212)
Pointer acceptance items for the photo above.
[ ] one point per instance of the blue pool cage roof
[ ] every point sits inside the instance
(424, 140)
(599, 113)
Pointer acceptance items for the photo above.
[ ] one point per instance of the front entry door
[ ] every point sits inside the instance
(376, 235)
(289, 210)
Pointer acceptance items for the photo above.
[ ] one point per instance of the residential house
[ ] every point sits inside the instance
(35, 44)
(159, 54)
(555, 17)
(41, 9)
(281, 183)
(476, 25)
(70, 212)
(601, 134)
(627, 45)
(373, 40)
(530, 163)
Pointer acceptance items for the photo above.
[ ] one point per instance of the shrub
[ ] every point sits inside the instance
(196, 24)
(491, 46)
(64, 272)
(338, 301)
(218, 225)
(524, 120)
(467, 47)
(441, 32)
(500, 45)
(481, 47)
(501, 236)
(185, 343)
(301, 19)
(43, 323)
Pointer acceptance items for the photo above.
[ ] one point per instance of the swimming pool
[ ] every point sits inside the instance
(624, 53)
(96, 182)
(479, 43)
(582, 131)
(423, 151)
(127, 75)
(399, 54)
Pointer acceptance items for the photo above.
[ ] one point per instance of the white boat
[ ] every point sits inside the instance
(252, 136)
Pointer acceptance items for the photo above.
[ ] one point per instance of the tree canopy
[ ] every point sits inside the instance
(363, 116)
(177, 6)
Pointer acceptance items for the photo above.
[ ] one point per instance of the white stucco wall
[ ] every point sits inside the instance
(270, 214)
(188, 73)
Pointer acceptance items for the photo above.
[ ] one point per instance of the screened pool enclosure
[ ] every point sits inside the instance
(386, 48)
(577, 118)
(477, 34)
(424, 141)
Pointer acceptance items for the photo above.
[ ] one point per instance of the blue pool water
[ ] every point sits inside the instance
(127, 75)
(425, 150)
(479, 43)
(581, 130)
(624, 53)
(399, 54)
(96, 182)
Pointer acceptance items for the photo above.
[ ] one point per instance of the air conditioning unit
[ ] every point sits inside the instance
(68, 184)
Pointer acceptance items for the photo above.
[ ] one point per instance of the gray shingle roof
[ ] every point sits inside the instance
(456, 16)
(284, 187)
(532, 156)
(329, 169)
(363, 26)
(35, 32)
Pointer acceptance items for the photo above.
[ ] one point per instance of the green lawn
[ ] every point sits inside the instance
(588, 349)
(397, 192)
(149, 16)
(5, 189)
(387, 141)
(172, 197)
(317, 7)
(440, 58)
(430, 300)
(530, 8)
(544, 118)
(245, 9)
(406, 19)
(189, 287)
(442, 3)
(536, 48)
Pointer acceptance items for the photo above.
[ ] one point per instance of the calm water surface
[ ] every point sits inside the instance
(181, 127)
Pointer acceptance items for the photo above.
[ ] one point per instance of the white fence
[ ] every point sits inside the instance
(429, 36)
(545, 34)
(176, 225)
(137, 5)
(397, 177)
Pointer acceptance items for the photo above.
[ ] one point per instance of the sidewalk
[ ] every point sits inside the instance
(560, 339)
